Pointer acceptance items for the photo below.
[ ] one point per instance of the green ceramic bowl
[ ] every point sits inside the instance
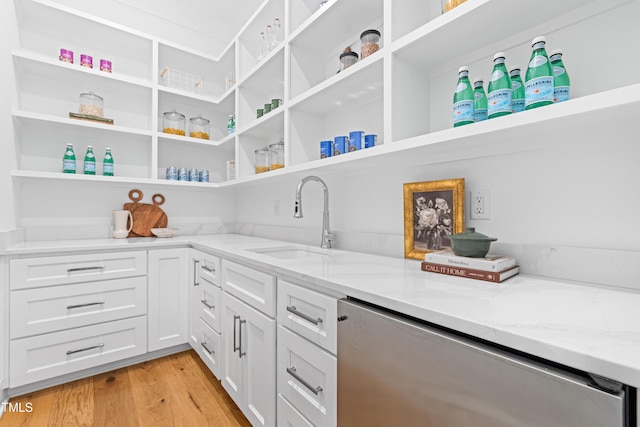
(471, 244)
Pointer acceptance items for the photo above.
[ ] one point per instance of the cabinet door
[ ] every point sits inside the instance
(231, 373)
(168, 297)
(259, 359)
(195, 258)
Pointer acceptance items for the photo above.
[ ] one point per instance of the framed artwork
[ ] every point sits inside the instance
(433, 211)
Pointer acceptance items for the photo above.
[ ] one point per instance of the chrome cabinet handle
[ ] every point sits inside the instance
(84, 349)
(207, 349)
(292, 371)
(292, 309)
(196, 282)
(209, 269)
(240, 339)
(69, 307)
(206, 304)
(71, 270)
(235, 347)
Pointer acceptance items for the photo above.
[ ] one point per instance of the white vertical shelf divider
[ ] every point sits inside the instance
(155, 113)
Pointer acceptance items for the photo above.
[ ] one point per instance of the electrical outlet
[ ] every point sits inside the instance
(276, 208)
(480, 204)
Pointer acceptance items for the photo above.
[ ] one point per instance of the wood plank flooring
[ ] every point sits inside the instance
(176, 390)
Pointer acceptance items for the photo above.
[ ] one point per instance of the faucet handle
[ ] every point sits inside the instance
(328, 238)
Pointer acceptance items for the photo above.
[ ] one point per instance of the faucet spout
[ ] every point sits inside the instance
(327, 235)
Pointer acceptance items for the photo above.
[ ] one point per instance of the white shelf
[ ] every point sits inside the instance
(29, 118)
(197, 141)
(46, 176)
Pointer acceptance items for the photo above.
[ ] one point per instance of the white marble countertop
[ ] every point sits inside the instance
(588, 327)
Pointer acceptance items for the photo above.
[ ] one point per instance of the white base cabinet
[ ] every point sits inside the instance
(249, 360)
(168, 298)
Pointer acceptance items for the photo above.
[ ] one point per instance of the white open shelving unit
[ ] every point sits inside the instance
(402, 93)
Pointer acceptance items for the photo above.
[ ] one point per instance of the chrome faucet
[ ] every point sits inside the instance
(327, 235)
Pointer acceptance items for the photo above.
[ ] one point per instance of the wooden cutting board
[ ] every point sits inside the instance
(145, 216)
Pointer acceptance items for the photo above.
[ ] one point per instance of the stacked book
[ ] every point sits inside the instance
(492, 268)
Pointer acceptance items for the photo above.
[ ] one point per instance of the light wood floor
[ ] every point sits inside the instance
(177, 390)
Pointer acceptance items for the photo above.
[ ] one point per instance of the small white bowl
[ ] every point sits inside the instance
(164, 232)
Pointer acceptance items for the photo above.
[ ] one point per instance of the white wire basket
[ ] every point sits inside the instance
(177, 79)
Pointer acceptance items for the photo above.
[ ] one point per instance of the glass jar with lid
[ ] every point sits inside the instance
(276, 155)
(347, 59)
(370, 42)
(174, 123)
(199, 127)
(262, 159)
(91, 104)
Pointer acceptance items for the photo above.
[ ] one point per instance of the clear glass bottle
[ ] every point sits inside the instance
(538, 82)
(480, 101)
(517, 90)
(69, 160)
(561, 81)
(263, 47)
(107, 163)
(89, 161)
(270, 37)
(174, 123)
(463, 99)
(278, 30)
(231, 124)
(499, 90)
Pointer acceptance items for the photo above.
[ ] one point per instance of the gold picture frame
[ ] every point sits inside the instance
(433, 210)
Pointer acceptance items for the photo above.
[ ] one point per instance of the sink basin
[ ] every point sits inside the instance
(292, 252)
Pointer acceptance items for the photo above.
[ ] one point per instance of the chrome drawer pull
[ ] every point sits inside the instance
(69, 307)
(292, 309)
(209, 269)
(84, 349)
(207, 349)
(240, 339)
(292, 371)
(71, 270)
(235, 346)
(206, 304)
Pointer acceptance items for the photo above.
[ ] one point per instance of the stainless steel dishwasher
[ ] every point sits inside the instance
(396, 371)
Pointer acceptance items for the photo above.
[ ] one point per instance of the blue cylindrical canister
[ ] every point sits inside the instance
(326, 149)
(193, 175)
(204, 175)
(370, 140)
(340, 144)
(356, 140)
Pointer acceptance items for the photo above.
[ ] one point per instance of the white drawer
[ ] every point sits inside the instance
(37, 311)
(307, 378)
(288, 416)
(309, 313)
(254, 287)
(50, 355)
(206, 303)
(208, 347)
(62, 270)
(210, 268)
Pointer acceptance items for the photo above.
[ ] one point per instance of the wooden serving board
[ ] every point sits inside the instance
(145, 216)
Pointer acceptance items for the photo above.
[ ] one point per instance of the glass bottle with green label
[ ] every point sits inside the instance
(480, 100)
(538, 83)
(69, 160)
(517, 90)
(499, 90)
(89, 162)
(107, 163)
(231, 125)
(463, 99)
(561, 82)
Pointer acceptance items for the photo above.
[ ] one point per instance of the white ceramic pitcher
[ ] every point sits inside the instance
(120, 230)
